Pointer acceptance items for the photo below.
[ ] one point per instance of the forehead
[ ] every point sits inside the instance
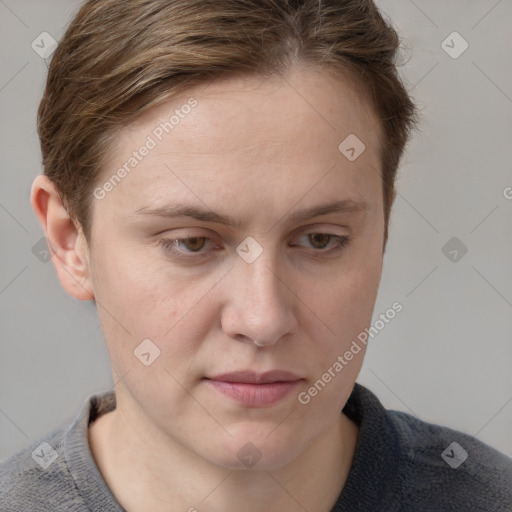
(249, 135)
(303, 97)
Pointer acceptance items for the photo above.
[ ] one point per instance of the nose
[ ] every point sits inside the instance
(260, 304)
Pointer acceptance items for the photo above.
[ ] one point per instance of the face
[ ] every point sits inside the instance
(253, 284)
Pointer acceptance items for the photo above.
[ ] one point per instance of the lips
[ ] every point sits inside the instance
(255, 390)
(248, 377)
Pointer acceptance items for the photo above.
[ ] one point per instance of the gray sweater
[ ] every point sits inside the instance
(401, 464)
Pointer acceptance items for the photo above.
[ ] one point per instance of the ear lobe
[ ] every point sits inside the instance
(67, 245)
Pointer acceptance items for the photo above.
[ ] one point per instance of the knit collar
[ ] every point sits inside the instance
(371, 475)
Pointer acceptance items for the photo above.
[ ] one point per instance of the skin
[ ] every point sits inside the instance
(256, 149)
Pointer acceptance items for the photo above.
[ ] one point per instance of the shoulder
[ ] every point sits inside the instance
(403, 463)
(57, 473)
(37, 478)
(440, 465)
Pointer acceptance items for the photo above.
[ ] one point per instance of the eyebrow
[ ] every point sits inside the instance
(207, 215)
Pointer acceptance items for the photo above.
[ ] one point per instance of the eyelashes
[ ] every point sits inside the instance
(198, 243)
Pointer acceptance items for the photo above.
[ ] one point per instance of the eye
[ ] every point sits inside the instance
(197, 247)
(193, 244)
(322, 240)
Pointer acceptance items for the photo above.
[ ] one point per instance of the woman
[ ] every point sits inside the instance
(218, 179)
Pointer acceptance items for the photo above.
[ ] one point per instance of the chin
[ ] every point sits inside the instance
(256, 452)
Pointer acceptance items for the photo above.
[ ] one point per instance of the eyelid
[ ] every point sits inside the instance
(309, 229)
(341, 241)
(316, 228)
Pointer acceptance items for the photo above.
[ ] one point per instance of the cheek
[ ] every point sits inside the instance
(136, 287)
(348, 299)
(140, 297)
(345, 310)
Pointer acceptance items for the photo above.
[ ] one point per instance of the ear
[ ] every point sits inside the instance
(66, 242)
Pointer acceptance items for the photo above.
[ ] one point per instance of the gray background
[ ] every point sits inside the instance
(445, 358)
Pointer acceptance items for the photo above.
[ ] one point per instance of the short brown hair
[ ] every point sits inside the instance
(117, 59)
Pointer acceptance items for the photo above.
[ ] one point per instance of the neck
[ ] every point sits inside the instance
(138, 471)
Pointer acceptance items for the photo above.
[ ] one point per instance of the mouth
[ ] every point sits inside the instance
(252, 389)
